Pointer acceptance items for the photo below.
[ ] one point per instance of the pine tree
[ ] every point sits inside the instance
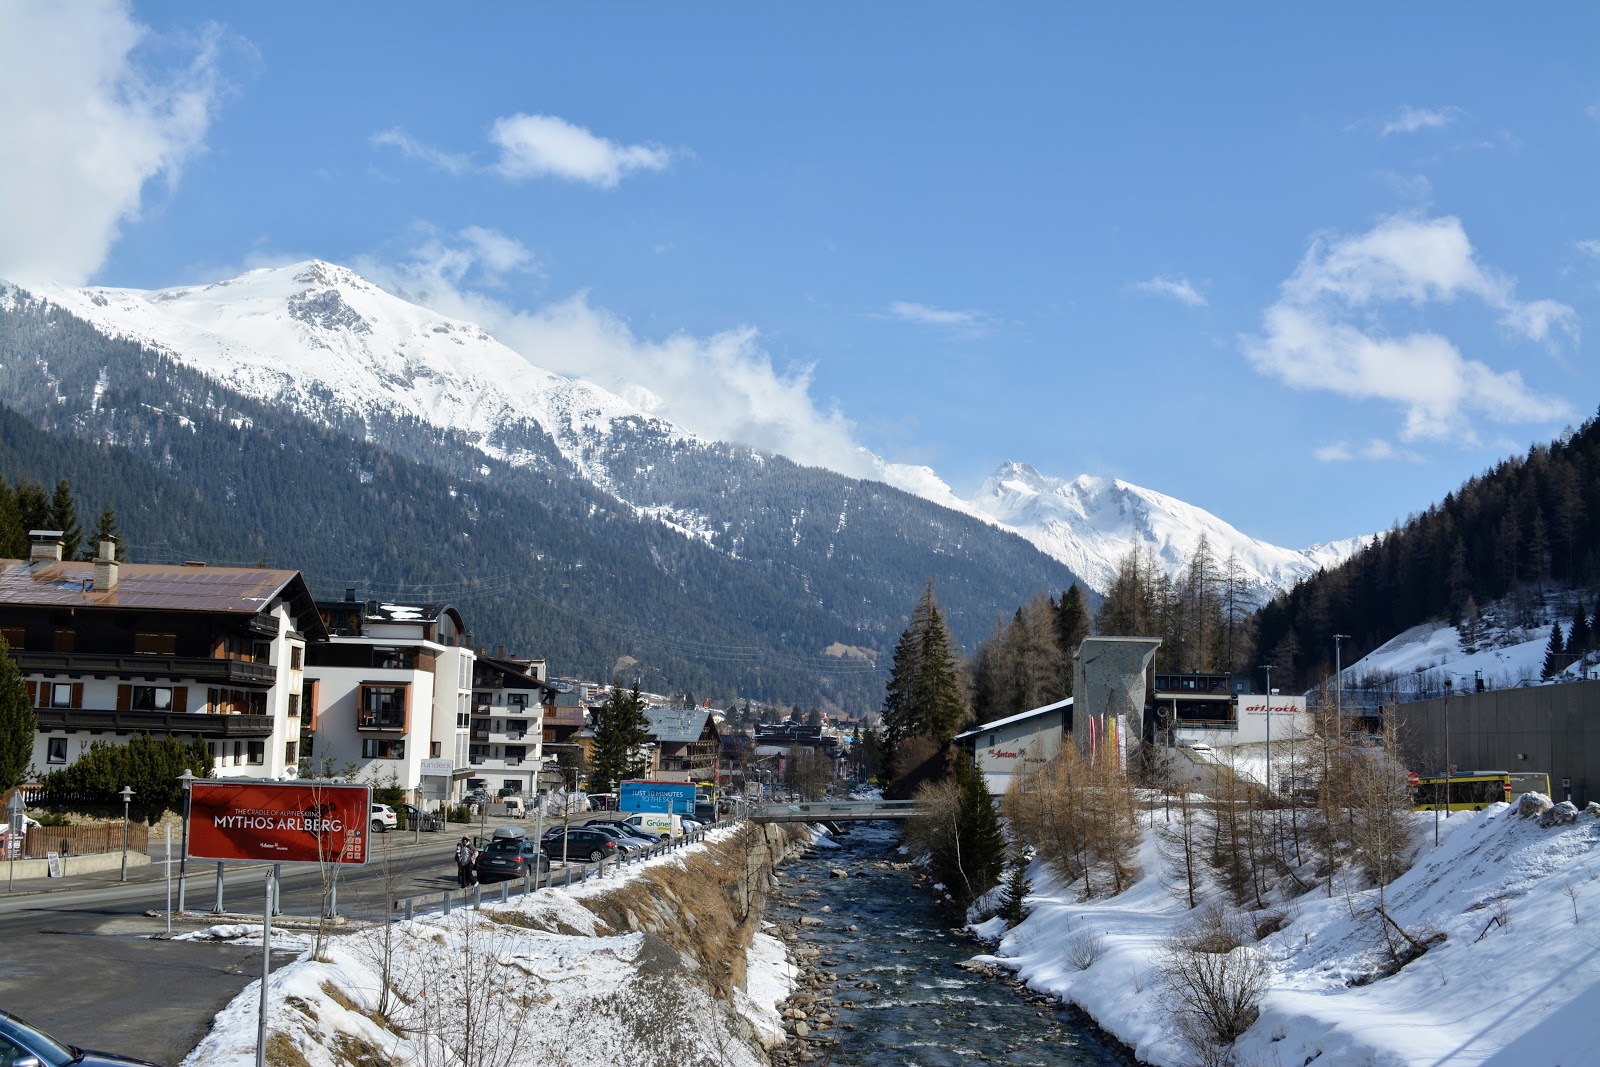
(924, 694)
(33, 508)
(18, 723)
(1580, 637)
(1012, 907)
(106, 528)
(64, 517)
(1554, 653)
(1072, 626)
(618, 735)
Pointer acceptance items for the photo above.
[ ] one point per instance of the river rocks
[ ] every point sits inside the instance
(801, 1029)
(810, 920)
(838, 872)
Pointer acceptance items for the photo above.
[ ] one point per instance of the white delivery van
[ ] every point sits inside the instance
(657, 822)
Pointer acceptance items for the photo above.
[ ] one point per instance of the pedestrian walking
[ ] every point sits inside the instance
(466, 857)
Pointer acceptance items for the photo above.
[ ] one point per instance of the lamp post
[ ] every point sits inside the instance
(1338, 679)
(187, 778)
(1447, 768)
(127, 795)
(1268, 669)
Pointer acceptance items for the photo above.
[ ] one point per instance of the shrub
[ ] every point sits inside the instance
(1215, 980)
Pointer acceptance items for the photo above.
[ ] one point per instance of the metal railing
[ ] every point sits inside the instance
(572, 873)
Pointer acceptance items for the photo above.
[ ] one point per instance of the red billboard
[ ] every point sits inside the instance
(281, 822)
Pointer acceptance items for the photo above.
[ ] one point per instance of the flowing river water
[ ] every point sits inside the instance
(886, 988)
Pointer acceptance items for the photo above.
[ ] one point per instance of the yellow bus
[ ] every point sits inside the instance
(1469, 791)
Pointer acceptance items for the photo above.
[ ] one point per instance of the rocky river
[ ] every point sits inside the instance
(884, 980)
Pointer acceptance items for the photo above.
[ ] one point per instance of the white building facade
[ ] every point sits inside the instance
(393, 688)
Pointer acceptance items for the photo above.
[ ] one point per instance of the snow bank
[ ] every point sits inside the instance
(1513, 983)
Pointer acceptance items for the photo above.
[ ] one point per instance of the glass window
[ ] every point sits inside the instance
(258, 752)
(61, 695)
(57, 750)
(382, 748)
(152, 698)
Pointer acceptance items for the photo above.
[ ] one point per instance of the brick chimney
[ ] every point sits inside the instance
(105, 567)
(44, 546)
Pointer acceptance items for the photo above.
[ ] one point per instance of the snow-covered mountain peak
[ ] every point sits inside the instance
(320, 338)
(1090, 523)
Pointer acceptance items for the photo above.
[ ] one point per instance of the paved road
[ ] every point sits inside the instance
(81, 957)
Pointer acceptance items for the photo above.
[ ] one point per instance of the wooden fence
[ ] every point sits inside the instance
(85, 840)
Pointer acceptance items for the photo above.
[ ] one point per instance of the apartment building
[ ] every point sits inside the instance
(111, 650)
(506, 744)
(393, 687)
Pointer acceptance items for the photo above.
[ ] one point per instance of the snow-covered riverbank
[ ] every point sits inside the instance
(541, 979)
(1513, 984)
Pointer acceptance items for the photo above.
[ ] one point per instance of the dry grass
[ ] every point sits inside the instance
(282, 1052)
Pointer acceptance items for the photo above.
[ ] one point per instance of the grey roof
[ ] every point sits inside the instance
(677, 725)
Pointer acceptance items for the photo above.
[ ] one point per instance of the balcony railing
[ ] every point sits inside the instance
(233, 672)
(371, 720)
(156, 723)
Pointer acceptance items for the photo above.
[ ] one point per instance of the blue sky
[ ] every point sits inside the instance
(1306, 269)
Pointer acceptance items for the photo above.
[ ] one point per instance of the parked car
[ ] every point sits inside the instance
(22, 1043)
(431, 821)
(579, 843)
(510, 857)
(625, 841)
(384, 819)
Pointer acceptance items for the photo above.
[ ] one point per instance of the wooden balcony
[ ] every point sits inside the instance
(203, 669)
(156, 723)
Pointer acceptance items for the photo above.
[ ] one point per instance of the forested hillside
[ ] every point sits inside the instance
(1529, 524)
(538, 560)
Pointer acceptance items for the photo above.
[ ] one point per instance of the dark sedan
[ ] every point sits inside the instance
(509, 858)
(21, 1043)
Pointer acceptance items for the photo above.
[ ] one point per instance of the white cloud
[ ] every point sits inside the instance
(1591, 248)
(1411, 119)
(1179, 289)
(540, 146)
(1376, 449)
(1326, 330)
(85, 127)
(722, 387)
(925, 315)
(410, 146)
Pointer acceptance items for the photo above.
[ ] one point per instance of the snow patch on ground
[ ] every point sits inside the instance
(1495, 993)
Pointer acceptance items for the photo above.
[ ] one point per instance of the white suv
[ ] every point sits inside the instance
(383, 819)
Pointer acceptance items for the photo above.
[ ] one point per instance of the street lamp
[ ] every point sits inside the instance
(1447, 687)
(127, 795)
(1268, 669)
(1338, 680)
(187, 778)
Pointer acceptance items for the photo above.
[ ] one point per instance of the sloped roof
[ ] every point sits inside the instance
(160, 587)
(1008, 720)
(676, 725)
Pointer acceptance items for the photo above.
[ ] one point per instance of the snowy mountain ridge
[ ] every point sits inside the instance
(320, 339)
(1091, 523)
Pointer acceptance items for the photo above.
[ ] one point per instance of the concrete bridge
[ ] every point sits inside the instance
(833, 810)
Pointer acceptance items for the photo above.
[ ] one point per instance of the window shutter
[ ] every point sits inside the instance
(124, 697)
(33, 694)
(77, 694)
(180, 699)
